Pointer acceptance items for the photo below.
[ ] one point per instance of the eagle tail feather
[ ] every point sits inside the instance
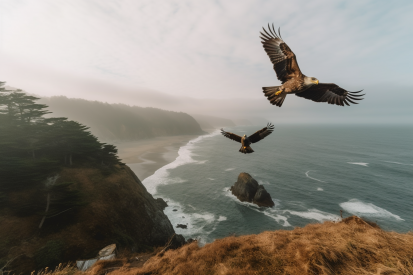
(277, 100)
(246, 150)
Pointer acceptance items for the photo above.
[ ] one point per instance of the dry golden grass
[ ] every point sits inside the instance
(59, 270)
(351, 246)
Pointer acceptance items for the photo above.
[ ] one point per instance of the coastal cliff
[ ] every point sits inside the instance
(116, 209)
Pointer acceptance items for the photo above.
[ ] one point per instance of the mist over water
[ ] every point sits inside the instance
(311, 172)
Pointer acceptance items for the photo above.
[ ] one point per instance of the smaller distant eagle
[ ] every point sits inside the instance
(246, 141)
(293, 81)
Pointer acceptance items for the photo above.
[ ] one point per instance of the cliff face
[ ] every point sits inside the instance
(117, 209)
(123, 122)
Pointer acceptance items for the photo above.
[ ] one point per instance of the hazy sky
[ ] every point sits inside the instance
(208, 50)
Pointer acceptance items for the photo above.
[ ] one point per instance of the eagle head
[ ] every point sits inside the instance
(310, 81)
(245, 136)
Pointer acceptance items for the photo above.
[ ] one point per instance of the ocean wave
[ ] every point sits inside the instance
(359, 163)
(395, 162)
(279, 215)
(161, 176)
(229, 169)
(196, 222)
(283, 220)
(272, 213)
(320, 189)
(222, 218)
(306, 173)
(364, 209)
(262, 182)
(315, 214)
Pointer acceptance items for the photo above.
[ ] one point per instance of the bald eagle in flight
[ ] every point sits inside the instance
(294, 81)
(246, 141)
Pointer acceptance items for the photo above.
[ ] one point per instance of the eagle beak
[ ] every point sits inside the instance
(315, 81)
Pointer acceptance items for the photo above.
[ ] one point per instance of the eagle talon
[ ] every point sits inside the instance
(277, 93)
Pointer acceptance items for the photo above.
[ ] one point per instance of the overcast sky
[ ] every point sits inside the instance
(209, 50)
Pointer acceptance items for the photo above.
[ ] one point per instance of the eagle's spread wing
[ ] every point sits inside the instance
(284, 60)
(258, 135)
(231, 136)
(331, 93)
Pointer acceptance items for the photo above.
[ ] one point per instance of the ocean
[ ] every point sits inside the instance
(311, 172)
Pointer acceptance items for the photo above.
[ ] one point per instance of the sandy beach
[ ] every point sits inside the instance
(144, 157)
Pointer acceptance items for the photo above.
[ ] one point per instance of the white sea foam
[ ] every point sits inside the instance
(195, 222)
(306, 173)
(359, 163)
(211, 179)
(395, 162)
(273, 213)
(262, 182)
(315, 214)
(161, 176)
(364, 209)
(320, 189)
(222, 218)
(229, 169)
(278, 218)
(277, 214)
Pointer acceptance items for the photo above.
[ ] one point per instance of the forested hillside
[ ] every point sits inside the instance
(123, 122)
(37, 145)
(63, 194)
(34, 148)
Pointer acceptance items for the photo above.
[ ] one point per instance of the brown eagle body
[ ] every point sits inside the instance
(246, 141)
(294, 81)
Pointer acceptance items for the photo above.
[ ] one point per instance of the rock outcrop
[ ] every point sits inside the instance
(183, 226)
(247, 189)
(161, 203)
(262, 197)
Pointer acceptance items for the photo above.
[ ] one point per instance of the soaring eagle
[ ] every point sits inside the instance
(294, 81)
(246, 141)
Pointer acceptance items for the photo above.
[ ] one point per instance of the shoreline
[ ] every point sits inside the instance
(144, 157)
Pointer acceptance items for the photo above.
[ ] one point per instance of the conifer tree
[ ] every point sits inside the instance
(33, 147)
(109, 154)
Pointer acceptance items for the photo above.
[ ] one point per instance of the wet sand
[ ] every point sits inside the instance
(144, 157)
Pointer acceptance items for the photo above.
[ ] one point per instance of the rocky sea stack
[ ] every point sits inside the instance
(247, 189)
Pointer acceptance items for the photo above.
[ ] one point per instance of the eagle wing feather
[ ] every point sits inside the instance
(257, 136)
(231, 136)
(331, 93)
(284, 60)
